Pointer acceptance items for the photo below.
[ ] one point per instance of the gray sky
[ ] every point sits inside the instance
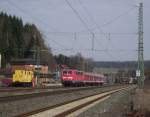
(67, 29)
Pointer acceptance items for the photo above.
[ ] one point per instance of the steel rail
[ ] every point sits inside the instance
(18, 89)
(69, 111)
(64, 103)
(46, 93)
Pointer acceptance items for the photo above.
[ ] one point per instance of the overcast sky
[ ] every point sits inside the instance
(67, 26)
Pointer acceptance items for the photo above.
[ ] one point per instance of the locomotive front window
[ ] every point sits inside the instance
(64, 72)
(69, 72)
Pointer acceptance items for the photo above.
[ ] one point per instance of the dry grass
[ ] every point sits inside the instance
(141, 100)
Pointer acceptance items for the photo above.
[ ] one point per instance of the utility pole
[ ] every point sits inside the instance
(93, 36)
(0, 60)
(36, 58)
(141, 76)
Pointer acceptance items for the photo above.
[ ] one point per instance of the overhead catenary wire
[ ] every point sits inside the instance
(98, 50)
(106, 50)
(83, 22)
(117, 17)
(25, 12)
(110, 55)
(95, 33)
(113, 19)
(90, 16)
(77, 33)
(10, 2)
(64, 47)
(94, 22)
(78, 16)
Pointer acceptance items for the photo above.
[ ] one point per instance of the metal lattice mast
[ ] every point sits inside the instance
(140, 47)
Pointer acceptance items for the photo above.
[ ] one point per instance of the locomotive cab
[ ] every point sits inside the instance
(71, 77)
(67, 77)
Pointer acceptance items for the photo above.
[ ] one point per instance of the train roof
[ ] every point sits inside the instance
(71, 70)
(95, 74)
(86, 73)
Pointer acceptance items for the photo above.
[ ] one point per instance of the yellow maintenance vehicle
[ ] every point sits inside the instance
(23, 78)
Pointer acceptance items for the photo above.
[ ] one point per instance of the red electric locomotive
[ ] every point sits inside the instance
(72, 77)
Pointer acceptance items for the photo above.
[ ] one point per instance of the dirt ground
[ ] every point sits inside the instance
(141, 100)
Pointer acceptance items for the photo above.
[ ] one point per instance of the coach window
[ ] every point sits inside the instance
(79, 73)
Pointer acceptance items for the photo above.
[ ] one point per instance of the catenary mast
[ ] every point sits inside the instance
(141, 76)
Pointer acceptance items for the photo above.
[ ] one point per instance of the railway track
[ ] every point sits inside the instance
(47, 91)
(15, 91)
(26, 89)
(73, 107)
(32, 89)
(19, 89)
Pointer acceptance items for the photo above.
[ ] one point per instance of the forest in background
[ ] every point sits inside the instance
(25, 41)
(19, 41)
(120, 65)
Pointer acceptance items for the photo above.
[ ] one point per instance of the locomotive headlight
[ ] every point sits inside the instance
(70, 78)
(67, 78)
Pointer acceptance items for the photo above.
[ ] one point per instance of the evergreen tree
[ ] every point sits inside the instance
(18, 41)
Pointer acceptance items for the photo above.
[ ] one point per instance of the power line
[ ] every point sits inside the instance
(31, 16)
(85, 25)
(58, 43)
(79, 17)
(110, 55)
(114, 19)
(96, 33)
(23, 11)
(92, 48)
(98, 50)
(90, 16)
(94, 22)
